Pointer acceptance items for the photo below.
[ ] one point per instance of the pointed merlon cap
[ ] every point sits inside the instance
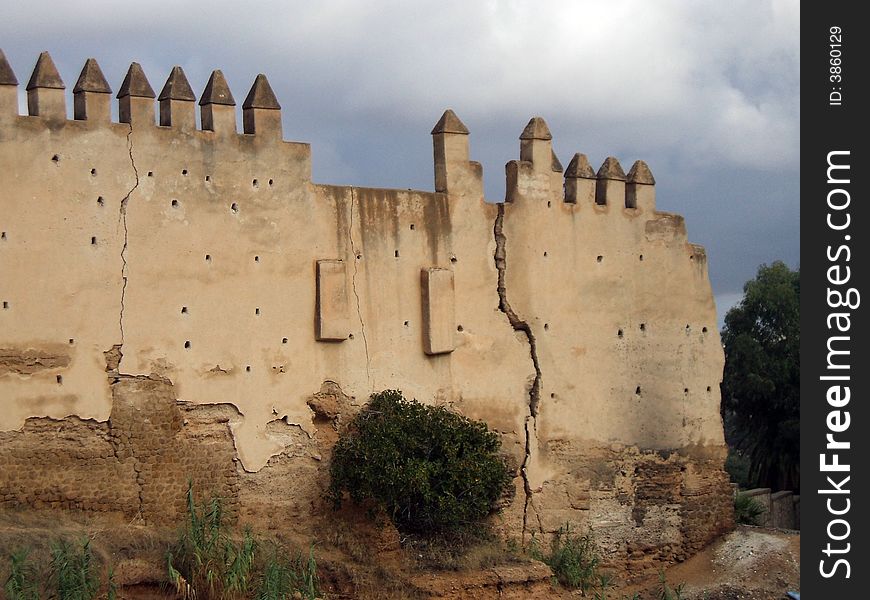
(7, 75)
(217, 91)
(556, 163)
(92, 79)
(536, 130)
(45, 74)
(449, 123)
(136, 84)
(579, 167)
(640, 173)
(177, 87)
(261, 95)
(611, 169)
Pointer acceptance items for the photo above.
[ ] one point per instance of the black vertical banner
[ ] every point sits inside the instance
(835, 371)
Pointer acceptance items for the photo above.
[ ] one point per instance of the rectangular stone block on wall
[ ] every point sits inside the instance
(331, 322)
(439, 312)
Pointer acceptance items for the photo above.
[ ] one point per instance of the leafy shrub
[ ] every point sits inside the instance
(432, 470)
(23, 580)
(574, 560)
(747, 510)
(73, 571)
(737, 466)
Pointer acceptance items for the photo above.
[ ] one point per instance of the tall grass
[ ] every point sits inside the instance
(73, 572)
(282, 579)
(666, 592)
(208, 564)
(23, 580)
(574, 560)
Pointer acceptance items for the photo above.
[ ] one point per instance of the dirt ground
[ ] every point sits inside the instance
(749, 563)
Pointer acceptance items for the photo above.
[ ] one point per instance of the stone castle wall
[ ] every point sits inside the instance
(186, 304)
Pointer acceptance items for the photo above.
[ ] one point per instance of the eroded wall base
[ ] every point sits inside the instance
(644, 508)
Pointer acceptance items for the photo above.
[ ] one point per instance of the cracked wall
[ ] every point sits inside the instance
(162, 317)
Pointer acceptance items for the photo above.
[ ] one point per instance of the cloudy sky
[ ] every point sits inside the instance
(706, 92)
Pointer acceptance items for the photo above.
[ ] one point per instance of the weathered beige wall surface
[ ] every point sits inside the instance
(185, 303)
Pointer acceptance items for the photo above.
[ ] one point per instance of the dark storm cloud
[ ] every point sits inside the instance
(706, 93)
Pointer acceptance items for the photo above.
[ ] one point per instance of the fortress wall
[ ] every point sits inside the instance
(186, 304)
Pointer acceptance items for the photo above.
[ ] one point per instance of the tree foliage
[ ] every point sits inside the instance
(761, 383)
(431, 469)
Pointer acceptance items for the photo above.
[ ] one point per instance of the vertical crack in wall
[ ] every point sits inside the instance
(362, 324)
(519, 325)
(122, 220)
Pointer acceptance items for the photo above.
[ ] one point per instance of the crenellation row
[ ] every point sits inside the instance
(46, 98)
(582, 185)
(538, 164)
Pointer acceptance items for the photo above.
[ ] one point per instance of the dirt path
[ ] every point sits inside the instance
(749, 563)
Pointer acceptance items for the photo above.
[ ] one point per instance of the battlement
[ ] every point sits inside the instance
(202, 267)
(46, 98)
(537, 170)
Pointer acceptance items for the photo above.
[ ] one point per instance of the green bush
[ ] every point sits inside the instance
(431, 469)
(737, 466)
(574, 560)
(747, 510)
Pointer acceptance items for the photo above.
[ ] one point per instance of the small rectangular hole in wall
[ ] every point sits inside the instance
(187, 344)
(100, 201)
(208, 177)
(184, 171)
(72, 341)
(59, 379)
(93, 240)
(3, 236)
(397, 254)
(5, 305)
(150, 173)
(184, 310)
(256, 311)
